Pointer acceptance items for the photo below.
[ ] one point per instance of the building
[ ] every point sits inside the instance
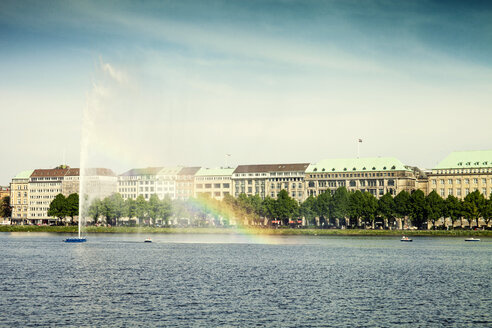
(214, 182)
(19, 197)
(377, 175)
(185, 182)
(43, 186)
(4, 192)
(269, 179)
(462, 172)
(148, 181)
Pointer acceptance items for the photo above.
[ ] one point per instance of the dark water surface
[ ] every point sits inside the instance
(244, 281)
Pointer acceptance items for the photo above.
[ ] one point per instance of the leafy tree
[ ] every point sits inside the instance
(96, 210)
(386, 207)
(268, 208)
(433, 208)
(141, 211)
(487, 210)
(5, 209)
(472, 206)
(154, 208)
(307, 209)
(417, 212)
(322, 205)
(131, 208)
(453, 209)
(402, 204)
(370, 208)
(72, 203)
(166, 210)
(285, 206)
(355, 207)
(339, 203)
(58, 207)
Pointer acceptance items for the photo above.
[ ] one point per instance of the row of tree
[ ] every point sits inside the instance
(351, 209)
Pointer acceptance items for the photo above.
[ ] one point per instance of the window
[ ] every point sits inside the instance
(467, 181)
(433, 182)
(484, 181)
(208, 185)
(450, 181)
(217, 185)
(458, 181)
(225, 185)
(475, 181)
(467, 191)
(442, 192)
(450, 191)
(441, 181)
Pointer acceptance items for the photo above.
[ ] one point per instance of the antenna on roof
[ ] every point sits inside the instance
(227, 160)
(359, 141)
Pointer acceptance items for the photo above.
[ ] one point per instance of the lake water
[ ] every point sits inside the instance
(244, 281)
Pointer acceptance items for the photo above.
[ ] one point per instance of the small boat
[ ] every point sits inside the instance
(148, 240)
(75, 240)
(406, 239)
(472, 239)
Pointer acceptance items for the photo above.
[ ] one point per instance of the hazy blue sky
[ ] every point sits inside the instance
(185, 82)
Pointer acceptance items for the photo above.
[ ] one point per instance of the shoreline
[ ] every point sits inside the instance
(250, 230)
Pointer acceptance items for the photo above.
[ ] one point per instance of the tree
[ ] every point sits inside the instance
(433, 208)
(370, 208)
(355, 207)
(386, 207)
(72, 206)
(154, 208)
(131, 208)
(402, 204)
(339, 204)
(453, 209)
(417, 208)
(166, 209)
(141, 211)
(96, 209)
(285, 206)
(472, 206)
(5, 209)
(307, 209)
(268, 208)
(487, 210)
(322, 205)
(58, 207)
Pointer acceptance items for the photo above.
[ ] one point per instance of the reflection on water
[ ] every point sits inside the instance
(240, 280)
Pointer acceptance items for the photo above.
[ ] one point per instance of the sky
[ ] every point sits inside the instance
(124, 84)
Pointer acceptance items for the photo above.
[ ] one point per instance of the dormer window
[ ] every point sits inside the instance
(345, 169)
(354, 169)
(315, 169)
(468, 163)
(460, 164)
(373, 167)
(323, 170)
(333, 169)
(384, 167)
(364, 168)
(393, 167)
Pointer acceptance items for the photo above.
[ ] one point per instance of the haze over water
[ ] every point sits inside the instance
(233, 280)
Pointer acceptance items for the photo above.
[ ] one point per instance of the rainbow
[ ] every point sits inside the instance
(242, 227)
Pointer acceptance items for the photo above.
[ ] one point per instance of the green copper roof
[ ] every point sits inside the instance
(217, 171)
(357, 164)
(466, 159)
(24, 174)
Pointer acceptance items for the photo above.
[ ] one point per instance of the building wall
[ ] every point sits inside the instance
(42, 190)
(19, 199)
(216, 186)
(376, 182)
(451, 182)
